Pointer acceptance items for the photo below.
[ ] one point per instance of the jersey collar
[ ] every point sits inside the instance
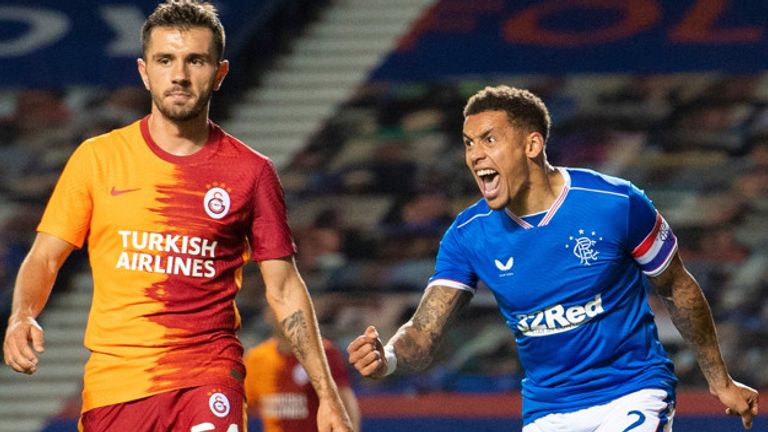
(215, 135)
(552, 210)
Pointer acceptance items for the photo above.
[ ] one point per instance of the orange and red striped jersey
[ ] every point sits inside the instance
(167, 238)
(279, 390)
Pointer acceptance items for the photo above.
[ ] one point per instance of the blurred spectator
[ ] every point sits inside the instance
(31, 163)
(320, 244)
(423, 214)
(706, 125)
(758, 153)
(279, 391)
(390, 170)
(115, 109)
(717, 245)
(38, 110)
(752, 184)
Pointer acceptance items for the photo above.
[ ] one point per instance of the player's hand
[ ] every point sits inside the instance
(366, 354)
(332, 417)
(740, 400)
(24, 340)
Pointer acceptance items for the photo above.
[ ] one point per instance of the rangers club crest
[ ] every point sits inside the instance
(583, 246)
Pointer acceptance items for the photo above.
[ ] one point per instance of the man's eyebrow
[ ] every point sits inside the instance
(481, 136)
(192, 55)
(201, 55)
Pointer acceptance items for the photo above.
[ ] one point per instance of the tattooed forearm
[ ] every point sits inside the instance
(295, 328)
(692, 316)
(417, 340)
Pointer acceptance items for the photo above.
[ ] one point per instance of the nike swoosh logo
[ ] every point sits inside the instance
(116, 192)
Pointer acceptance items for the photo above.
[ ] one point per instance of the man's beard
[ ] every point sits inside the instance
(181, 114)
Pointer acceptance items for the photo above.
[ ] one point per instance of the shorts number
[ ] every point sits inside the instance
(640, 420)
(205, 427)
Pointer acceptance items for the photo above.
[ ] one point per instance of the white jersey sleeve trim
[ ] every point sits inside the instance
(451, 284)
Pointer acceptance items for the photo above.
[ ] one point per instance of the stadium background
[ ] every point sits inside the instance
(359, 104)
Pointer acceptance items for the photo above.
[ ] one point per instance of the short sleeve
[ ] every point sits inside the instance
(453, 268)
(270, 235)
(652, 242)
(68, 213)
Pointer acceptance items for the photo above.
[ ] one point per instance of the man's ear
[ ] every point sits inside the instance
(141, 65)
(534, 145)
(221, 73)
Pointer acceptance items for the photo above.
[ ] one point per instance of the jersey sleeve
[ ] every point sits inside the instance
(337, 364)
(270, 235)
(68, 213)
(651, 240)
(453, 268)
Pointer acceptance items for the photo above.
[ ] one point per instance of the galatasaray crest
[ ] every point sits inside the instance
(216, 202)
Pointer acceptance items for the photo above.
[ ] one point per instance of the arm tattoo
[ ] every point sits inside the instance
(692, 316)
(296, 330)
(417, 340)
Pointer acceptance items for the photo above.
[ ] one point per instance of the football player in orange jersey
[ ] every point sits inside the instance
(171, 207)
(278, 389)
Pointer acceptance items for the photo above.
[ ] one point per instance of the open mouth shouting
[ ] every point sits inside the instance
(489, 181)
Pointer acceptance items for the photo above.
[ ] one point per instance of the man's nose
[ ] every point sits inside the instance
(475, 153)
(180, 74)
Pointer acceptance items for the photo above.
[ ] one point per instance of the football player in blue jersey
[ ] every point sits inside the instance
(565, 252)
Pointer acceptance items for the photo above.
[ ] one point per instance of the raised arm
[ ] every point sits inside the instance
(289, 300)
(691, 315)
(24, 337)
(413, 346)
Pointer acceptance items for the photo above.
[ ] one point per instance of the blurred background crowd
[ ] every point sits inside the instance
(372, 189)
(371, 194)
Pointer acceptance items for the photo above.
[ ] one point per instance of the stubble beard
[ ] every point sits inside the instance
(179, 113)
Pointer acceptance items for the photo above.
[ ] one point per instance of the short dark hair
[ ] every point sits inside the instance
(185, 14)
(524, 109)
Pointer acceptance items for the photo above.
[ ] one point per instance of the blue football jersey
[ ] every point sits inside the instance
(569, 283)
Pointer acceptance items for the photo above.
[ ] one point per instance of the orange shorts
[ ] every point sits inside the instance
(196, 409)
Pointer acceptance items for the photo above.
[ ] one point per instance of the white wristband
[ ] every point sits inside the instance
(389, 354)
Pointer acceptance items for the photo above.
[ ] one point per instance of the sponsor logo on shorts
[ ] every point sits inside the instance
(558, 319)
(219, 405)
